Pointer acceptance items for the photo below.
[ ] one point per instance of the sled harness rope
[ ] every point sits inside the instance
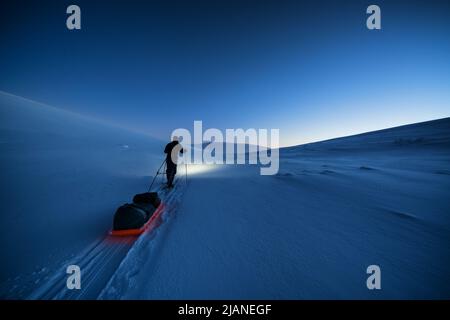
(159, 172)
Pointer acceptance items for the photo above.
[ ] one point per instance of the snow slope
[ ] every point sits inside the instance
(335, 208)
(62, 177)
(311, 231)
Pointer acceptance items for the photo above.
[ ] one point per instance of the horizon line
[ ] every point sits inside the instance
(117, 125)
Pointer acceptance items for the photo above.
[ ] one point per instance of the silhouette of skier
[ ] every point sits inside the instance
(172, 150)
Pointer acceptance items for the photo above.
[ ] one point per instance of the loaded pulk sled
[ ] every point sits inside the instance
(134, 218)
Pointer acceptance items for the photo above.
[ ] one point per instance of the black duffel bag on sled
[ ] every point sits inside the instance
(148, 197)
(134, 216)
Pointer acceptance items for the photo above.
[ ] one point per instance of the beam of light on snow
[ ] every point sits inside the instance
(194, 169)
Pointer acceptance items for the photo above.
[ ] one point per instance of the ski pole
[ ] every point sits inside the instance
(164, 170)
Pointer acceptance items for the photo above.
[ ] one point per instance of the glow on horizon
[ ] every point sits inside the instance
(335, 131)
(352, 120)
(331, 127)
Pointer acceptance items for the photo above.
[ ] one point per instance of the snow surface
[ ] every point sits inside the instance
(310, 231)
(62, 177)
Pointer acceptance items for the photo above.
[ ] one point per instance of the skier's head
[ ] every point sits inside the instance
(175, 138)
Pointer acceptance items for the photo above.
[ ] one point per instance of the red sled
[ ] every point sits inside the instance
(145, 227)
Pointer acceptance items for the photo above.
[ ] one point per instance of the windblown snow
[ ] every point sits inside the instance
(311, 231)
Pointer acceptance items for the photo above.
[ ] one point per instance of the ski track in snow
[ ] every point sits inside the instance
(99, 261)
(145, 249)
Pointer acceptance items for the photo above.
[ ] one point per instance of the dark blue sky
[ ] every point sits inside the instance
(311, 69)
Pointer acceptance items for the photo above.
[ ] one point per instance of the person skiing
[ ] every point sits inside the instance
(171, 150)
